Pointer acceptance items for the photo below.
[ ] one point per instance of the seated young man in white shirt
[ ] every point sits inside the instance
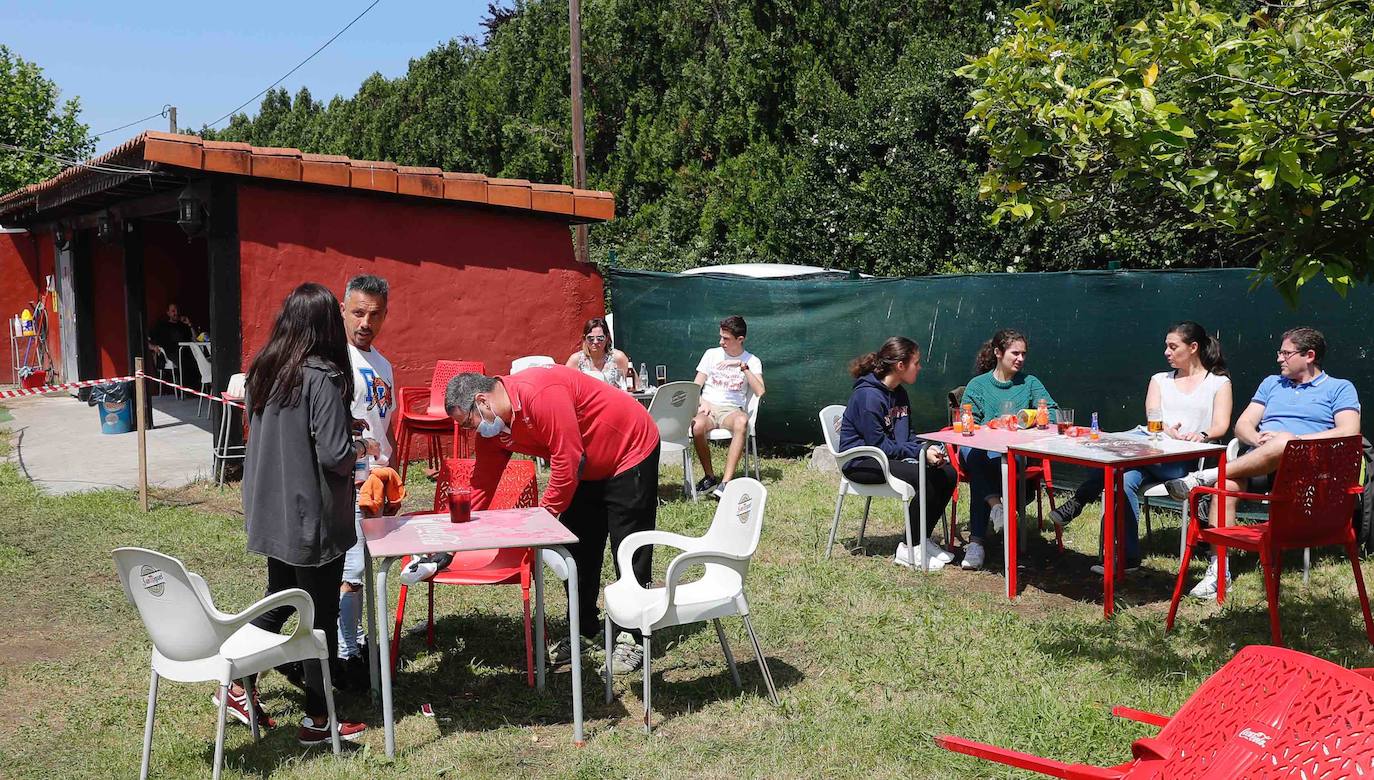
(728, 375)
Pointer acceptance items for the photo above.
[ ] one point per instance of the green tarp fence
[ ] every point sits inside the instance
(1096, 337)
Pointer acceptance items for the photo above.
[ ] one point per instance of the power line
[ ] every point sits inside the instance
(162, 113)
(298, 66)
(108, 168)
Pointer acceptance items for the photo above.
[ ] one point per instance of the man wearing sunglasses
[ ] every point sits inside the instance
(1300, 402)
(602, 449)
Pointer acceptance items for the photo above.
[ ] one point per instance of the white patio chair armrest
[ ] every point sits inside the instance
(686, 560)
(865, 451)
(630, 544)
(293, 597)
(203, 591)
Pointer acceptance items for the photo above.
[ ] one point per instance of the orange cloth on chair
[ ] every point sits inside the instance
(382, 492)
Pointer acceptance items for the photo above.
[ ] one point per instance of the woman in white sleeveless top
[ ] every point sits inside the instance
(1196, 400)
(598, 359)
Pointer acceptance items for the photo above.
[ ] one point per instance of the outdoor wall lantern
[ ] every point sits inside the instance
(105, 229)
(60, 239)
(190, 212)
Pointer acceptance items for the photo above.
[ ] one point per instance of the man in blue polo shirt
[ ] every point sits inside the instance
(1301, 402)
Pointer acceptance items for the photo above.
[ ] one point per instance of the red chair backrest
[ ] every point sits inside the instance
(1271, 712)
(518, 487)
(444, 370)
(1311, 503)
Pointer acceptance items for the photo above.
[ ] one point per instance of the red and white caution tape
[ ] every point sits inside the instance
(185, 389)
(45, 389)
(65, 386)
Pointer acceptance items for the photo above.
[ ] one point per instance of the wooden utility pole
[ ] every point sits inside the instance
(171, 119)
(140, 398)
(579, 142)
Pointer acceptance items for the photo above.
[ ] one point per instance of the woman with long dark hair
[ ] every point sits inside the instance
(597, 357)
(298, 493)
(999, 386)
(1195, 399)
(878, 415)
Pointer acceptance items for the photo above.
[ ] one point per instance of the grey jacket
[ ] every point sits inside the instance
(298, 473)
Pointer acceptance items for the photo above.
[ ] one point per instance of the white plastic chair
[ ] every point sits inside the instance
(673, 407)
(751, 443)
(165, 365)
(530, 361)
(224, 452)
(831, 417)
(725, 552)
(194, 642)
(202, 355)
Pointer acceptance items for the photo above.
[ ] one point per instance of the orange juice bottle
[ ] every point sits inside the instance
(1042, 415)
(967, 419)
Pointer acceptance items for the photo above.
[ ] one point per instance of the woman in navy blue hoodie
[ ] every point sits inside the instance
(878, 415)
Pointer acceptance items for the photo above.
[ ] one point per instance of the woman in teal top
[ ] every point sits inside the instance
(999, 386)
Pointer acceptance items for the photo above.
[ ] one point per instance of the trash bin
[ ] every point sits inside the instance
(115, 401)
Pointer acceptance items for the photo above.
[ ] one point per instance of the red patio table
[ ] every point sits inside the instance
(1113, 453)
(390, 539)
(990, 440)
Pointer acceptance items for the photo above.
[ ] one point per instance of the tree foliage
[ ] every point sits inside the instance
(823, 132)
(1259, 125)
(32, 119)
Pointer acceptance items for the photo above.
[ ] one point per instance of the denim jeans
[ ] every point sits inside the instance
(1132, 481)
(984, 472)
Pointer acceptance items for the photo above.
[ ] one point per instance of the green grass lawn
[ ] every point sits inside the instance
(871, 660)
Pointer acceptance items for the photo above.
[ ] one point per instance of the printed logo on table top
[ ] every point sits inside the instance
(379, 394)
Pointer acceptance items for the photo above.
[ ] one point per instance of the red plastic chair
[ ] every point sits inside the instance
(422, 413)
(1040, 477)
(518, 488)
(1268, 713)
(1311, 506)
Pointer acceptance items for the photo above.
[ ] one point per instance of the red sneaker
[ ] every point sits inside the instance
(312, 734)
(238, 708)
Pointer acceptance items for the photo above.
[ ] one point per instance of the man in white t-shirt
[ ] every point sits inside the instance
(364, 313)
(728, 375)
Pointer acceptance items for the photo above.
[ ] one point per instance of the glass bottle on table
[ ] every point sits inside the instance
(1042, 415)
(642, 377)
(966, 418)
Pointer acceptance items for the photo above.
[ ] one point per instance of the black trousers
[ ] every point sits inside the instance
(940, 483)
(322, 583)
(611, 508)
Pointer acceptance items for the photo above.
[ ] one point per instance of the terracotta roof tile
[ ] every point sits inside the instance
(154, 148)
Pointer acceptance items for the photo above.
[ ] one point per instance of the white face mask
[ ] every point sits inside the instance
(489, 428)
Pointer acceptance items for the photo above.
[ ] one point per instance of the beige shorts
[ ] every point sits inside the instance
(718, 414)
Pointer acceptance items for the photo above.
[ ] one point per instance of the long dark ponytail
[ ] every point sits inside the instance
(987, 354)
(1208, 348)
(309, 323)
(897, 349)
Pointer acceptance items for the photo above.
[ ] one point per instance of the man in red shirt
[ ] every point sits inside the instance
(602, 449)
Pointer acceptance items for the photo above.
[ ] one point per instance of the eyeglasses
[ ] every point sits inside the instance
(1284, 354)
(596, 339)
(467, 424)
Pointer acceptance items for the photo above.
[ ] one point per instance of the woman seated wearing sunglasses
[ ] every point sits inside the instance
(597, 358)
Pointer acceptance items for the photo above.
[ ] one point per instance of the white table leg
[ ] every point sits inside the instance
(384, 651)
(575, 635)
(540, 651)
(373, 660)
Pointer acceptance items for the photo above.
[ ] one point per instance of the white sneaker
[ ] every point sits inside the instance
(998, 517)
(973, 556)
(901, 559)
(628, 655)
(418, 571)
(1207, 588)
(936, 552)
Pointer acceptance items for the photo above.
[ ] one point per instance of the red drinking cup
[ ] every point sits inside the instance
(459, 505)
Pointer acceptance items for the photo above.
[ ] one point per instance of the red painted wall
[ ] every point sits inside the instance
(466, 284)
(19, 270)
(111, 329)
(175, 271)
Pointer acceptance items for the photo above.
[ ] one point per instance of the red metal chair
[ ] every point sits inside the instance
(1311, 506)
(1268, 713)
(518, 488)
(422, 413)
(1040, 477)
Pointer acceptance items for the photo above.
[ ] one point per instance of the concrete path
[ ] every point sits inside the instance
(57, 443)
